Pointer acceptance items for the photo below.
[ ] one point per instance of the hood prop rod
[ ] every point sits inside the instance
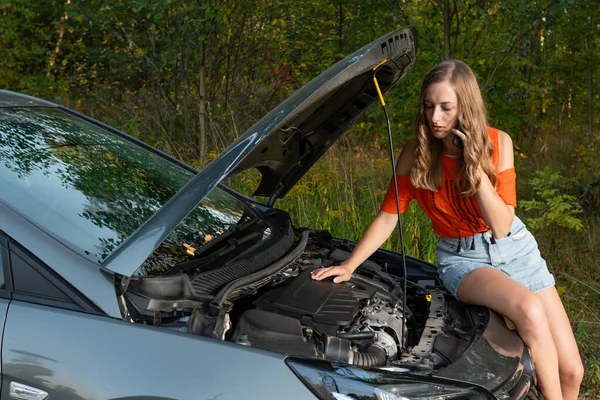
(399, 225)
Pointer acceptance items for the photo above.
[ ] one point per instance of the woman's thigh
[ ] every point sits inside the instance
(494, 289)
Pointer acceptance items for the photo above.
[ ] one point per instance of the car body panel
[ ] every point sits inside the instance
(85, 275)
(247, 152)
(70, 355)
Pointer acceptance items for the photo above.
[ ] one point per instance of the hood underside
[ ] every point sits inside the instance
(287, 141)
(319, 113)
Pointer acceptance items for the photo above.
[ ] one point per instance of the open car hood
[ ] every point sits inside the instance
(319, 113)
(287, 141)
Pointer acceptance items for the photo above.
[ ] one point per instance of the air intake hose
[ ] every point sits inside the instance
(373, 356)
(339, 349)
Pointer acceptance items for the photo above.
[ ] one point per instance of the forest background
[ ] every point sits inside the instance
(190, 76)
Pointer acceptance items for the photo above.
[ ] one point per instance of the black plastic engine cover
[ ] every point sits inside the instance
(324, 302)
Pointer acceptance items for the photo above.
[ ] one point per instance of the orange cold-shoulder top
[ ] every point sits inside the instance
(452, 214)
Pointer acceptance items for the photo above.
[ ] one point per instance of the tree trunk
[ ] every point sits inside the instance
(187, 134)
(61, 33)
(558, 111)
(447, 28)
(590, 95)
(201, 106)
(340, 26)
(590, 104)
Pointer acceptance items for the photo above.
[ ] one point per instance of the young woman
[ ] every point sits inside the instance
(485, 255)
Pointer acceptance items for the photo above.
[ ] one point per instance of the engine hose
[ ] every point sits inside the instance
(410, 317)
(370, 266)
(373, 356)
(356, 335)
(221, 297)
(364, 280)
(417, 286)
(384, 276)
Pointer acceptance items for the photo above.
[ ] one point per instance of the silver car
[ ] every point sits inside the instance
(126, 274)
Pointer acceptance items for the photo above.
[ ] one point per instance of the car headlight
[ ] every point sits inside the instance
(336, 381)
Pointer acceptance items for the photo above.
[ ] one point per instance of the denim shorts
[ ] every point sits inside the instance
(517, 255)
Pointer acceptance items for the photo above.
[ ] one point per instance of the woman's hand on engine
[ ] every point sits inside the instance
(341, 273)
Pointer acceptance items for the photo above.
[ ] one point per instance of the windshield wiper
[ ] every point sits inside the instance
(232, 230)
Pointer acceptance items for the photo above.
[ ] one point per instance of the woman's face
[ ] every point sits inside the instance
(441, 109)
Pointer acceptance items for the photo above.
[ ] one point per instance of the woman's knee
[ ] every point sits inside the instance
(531, 317)
(571, 372)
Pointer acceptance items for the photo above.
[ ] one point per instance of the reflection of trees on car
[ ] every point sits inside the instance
(123, 185)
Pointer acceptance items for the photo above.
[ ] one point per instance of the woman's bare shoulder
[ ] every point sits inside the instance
(505, 145)
(406, 159)
(504, 138)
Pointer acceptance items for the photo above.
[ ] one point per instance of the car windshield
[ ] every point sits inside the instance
(93, 188)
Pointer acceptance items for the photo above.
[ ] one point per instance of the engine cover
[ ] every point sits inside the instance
(324, 302)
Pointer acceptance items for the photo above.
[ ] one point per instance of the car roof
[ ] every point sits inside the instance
(12, 99)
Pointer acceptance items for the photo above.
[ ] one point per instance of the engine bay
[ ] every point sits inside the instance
(264, 297)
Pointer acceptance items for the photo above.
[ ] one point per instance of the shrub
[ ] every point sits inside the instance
(550, 205)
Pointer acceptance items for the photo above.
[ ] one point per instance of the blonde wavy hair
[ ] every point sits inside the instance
(428, 169)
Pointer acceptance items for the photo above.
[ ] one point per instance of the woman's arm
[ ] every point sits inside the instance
(497, 214)
(376, 233)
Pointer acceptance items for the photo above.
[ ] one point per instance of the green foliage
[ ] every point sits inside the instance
(552, 207)
(144, 57)
(593, 371)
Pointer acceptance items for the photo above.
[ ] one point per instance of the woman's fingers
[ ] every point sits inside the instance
(340, 273)
(459, 134)
(342, 278)
(322, 273)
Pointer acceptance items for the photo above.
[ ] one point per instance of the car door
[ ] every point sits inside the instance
(31, 286)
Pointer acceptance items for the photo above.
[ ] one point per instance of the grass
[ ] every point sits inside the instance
(343, 191)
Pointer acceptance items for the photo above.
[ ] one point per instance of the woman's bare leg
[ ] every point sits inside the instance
(569, 361)
(494, 289)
